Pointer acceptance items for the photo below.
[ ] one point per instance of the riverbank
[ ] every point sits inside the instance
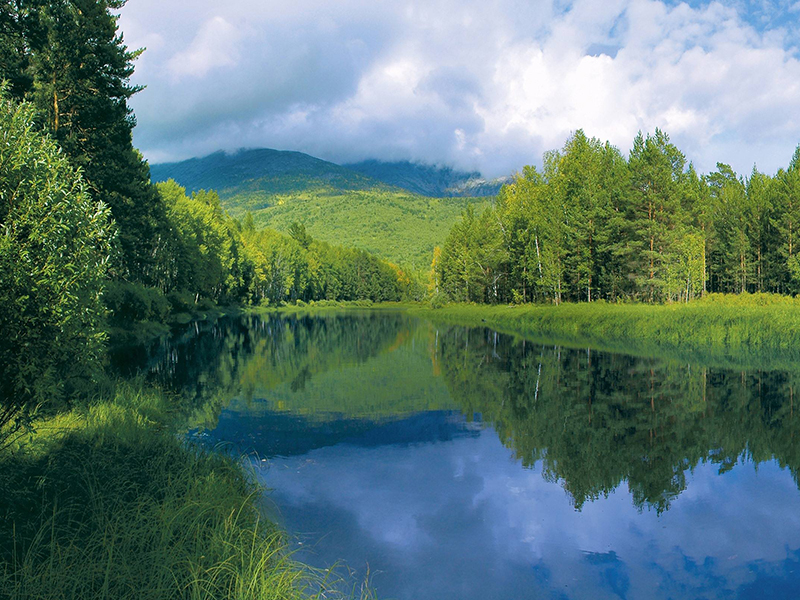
(755, 331)
(105, 501)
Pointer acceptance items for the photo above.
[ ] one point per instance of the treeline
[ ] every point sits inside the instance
(592, 224)
(211, 258)
(87, 242)
(68, 60)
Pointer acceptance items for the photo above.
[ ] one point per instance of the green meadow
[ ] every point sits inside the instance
(749, 330)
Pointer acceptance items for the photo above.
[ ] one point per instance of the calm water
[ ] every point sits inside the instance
(460, 463)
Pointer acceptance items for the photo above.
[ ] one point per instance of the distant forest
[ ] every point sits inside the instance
(592, 225)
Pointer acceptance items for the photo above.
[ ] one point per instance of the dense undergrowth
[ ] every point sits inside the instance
(107, 502)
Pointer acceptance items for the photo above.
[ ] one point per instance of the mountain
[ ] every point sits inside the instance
(335, 203)
(429, 180)
(262, 171)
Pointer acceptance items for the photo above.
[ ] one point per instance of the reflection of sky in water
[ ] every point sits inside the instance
(461, 519)
(359, 423)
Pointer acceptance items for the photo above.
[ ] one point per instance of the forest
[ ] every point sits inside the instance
(594, 225)
(90, 243)
(101, 497)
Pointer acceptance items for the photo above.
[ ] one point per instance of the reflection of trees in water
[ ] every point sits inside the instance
(595, 419)
(210, 363)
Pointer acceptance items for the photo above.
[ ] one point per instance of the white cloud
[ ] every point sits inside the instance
(215, 45)
(479, 84)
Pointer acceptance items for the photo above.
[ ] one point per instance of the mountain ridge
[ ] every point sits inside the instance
(336, 204)
(223, 171)
(250, 170)
(429, 180)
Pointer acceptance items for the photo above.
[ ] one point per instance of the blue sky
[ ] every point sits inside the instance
(476, 84)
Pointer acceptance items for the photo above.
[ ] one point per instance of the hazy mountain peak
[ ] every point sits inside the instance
(429, 180)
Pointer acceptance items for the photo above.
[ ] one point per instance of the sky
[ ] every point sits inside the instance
(486, 85)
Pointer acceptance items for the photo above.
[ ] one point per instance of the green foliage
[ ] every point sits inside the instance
(54, 250)
(334, 204)
(204, 254)
(751, 330)
(394, 225)
(215, 258)
(109, 504)
(439, 300)
(70, 61)
(132, 302)
(593, 226)
(287, 270)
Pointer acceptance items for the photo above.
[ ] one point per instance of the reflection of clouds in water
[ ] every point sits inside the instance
(463, 520)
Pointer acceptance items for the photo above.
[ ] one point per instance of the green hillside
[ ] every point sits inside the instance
(335, 204)
(264, 171)
(397, 226)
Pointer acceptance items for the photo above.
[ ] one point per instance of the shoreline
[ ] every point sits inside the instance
(759, 331)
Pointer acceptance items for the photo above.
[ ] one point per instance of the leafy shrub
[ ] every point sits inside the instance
(131, 302)
(54, 249)
(439, 300)
(180, 301)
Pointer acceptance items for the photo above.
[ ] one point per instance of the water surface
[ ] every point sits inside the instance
(445, 462)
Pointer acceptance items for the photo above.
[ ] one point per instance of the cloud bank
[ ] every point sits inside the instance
(478, 84)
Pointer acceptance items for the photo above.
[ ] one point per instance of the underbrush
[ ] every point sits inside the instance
(107, 502)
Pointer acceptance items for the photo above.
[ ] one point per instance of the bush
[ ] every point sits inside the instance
(129, 303)
(439, 300)
(205, 304)
(54, 249)
(181, 302)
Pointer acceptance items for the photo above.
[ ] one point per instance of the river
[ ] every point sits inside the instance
(445, 462)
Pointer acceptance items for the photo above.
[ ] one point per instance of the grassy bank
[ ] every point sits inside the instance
(759, 330)
(332, 306)
(107, 502)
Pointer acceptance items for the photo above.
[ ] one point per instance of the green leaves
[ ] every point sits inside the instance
(592, 226)
(54, 250)
(70, 62)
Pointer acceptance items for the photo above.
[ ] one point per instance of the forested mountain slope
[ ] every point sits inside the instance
(334, 203)
(262, 171)
(430, 180)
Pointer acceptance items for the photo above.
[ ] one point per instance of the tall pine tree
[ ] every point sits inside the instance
(70, 61)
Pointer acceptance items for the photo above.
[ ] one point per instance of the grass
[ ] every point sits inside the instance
(107, 502)
(753, 330)
(331, 306)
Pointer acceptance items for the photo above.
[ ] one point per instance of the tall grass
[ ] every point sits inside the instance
(760, 330)
(106, 502)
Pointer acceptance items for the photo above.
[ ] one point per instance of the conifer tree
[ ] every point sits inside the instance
(70, 61)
